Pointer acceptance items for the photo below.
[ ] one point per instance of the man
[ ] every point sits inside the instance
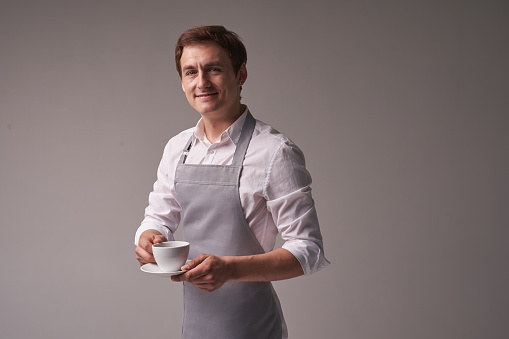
(237, 182)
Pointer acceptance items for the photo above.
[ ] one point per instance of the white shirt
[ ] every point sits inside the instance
(274, 189)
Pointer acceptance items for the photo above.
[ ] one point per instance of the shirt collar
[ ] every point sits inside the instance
(235, 129)
(233, 132)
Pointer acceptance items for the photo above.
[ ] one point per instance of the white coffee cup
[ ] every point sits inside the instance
(170, 255)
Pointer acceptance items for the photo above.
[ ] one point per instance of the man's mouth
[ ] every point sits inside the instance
(205, 95)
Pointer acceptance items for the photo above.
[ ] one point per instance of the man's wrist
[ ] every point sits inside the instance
(240, 268)
(150, 232)
(232, 268)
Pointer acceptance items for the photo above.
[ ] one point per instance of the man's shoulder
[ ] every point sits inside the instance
(268, 146)
(270, 136)
(181, 138)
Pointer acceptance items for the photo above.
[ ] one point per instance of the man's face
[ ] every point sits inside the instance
(209, 81)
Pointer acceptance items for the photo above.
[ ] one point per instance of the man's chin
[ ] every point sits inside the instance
(206, 111)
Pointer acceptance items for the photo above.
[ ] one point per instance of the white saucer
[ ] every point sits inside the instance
(154, 269)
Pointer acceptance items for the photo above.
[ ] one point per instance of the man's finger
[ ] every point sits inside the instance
(143, 255)
(146, 245)
(158, 239)
(195, 262)
(194, 272)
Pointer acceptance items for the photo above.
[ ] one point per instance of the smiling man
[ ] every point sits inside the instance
(236, 183)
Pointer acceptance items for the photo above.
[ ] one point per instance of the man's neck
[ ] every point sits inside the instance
(215, 127)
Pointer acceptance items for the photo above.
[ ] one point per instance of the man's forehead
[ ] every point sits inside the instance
(210, 51)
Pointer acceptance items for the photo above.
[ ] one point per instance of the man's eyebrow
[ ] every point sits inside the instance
(186, 67)
(214, 63)
(210, 64)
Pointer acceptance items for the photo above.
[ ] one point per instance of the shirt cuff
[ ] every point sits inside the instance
(309, 255)
(146, 226)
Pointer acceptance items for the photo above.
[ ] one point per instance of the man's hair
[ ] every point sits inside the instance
(219, 35)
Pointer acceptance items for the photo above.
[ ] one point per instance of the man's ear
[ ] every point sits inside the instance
(242, 74)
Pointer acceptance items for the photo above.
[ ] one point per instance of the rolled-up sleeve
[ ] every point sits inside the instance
(290, 202)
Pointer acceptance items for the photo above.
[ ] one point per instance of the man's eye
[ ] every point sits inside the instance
(215, 69)
(190, 73)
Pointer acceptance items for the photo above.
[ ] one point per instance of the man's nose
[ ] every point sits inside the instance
(203, 81)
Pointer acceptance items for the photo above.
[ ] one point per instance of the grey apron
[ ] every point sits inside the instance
(214, 223)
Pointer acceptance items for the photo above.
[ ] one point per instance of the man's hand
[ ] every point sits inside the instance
(207, 272)
(144, 249)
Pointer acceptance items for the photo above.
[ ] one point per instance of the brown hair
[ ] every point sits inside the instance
(219, 35)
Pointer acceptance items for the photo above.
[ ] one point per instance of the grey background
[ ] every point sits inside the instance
(401, 108)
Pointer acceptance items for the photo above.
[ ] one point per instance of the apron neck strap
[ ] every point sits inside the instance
(245, 138)
(185, 151)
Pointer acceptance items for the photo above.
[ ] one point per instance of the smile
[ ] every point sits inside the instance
(205, 95)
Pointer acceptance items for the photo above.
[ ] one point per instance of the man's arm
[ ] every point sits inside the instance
(162, 215)
(291, 205)
(208, 272)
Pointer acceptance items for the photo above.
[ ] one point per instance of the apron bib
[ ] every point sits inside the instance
(214, 223)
